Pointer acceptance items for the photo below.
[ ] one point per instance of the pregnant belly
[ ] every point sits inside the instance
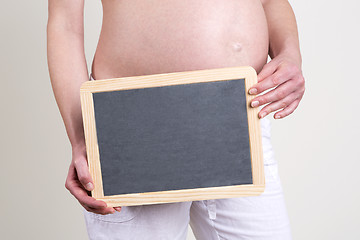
(149, 37)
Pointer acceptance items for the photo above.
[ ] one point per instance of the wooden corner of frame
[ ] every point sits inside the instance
(261, 188)
(251, 70)
(85, 86)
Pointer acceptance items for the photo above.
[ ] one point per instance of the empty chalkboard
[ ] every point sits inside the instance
(173, 137)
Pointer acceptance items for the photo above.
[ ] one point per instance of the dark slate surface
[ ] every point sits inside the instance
(173, 137)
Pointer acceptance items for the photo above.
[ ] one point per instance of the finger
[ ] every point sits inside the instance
(71, 177)
(71, 172)
(77, 190)
(287, 111)
(102, 211)
(267, 70)
(82, 170)
(81, 195)
(276, 94)
(269, 82)
(274, 106)
(117, 209)
(86, 207)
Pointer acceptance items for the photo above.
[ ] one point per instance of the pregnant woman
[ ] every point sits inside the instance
(152, 37)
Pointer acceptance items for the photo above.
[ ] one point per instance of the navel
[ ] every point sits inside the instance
(237, 46)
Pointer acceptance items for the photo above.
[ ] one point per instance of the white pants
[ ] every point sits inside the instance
(258, 217)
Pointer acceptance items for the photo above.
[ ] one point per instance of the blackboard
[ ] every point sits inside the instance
(168, 137)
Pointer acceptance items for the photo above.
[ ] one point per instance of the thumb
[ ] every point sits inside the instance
(82, 170)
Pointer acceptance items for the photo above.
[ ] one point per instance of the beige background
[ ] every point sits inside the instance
(317, 147)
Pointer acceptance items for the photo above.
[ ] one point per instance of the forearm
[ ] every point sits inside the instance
(68, 70)
(283, 32)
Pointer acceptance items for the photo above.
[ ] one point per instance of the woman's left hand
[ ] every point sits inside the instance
(286, 76)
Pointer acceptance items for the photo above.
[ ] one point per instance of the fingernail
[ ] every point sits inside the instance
(255, 103)
(89, 186)
(253, 91)
(262, 114)
(277, 116)
(118, 209)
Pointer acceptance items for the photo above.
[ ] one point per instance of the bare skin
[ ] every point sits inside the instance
(150, 37)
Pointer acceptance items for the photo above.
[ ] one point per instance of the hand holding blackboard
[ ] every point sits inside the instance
(173, 137)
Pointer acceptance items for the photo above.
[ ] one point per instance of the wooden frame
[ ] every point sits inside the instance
(86, 92)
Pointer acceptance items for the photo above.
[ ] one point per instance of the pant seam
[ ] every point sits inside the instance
(212, 223)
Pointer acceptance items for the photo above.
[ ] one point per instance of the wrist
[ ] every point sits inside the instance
(78, 142)
(289, 50)
(79, 148)
(290, 56)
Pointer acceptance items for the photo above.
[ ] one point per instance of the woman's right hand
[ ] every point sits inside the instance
(79, 183)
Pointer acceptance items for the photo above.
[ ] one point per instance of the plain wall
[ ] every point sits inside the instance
(316, 147)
